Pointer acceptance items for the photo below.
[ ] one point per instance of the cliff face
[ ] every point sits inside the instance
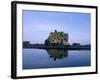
(57, 38)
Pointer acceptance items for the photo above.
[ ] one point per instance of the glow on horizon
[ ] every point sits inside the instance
(37, 26)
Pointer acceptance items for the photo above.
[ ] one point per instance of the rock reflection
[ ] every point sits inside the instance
(57, 54)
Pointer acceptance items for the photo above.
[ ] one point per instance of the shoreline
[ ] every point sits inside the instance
(57, 47)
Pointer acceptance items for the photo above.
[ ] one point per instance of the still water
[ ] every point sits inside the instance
(40, 58)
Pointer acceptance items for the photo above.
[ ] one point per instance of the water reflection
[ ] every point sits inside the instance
(57, 54)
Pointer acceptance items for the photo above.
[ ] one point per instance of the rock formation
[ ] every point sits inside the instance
(57, 38)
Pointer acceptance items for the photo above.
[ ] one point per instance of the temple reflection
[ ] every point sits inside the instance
(57, 54)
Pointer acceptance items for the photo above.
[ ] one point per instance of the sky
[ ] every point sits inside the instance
(37, 26)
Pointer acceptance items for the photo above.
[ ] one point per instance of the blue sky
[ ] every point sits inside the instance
(37, 26)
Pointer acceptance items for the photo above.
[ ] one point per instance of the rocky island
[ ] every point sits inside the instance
(57, 38)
